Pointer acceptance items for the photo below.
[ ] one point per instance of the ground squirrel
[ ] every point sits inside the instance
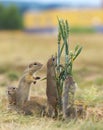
(25, 83)
(11, 94)
(51, 90)
(36, 104)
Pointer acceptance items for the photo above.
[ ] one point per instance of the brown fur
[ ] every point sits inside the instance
(11, 94)
(25, 83)
(36, 105)
(69, 109)
(51, 90)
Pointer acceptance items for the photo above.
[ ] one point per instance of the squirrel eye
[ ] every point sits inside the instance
(13, 87)
(35, 63)
(53, 59)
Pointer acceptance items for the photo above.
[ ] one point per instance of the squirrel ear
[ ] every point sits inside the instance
(52, 58)
(35, 63)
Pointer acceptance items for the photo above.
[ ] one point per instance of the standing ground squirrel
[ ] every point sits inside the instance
(25, 83)
(51, 90)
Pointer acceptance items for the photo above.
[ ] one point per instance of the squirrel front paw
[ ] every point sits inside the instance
(36, 78)
(34, 82)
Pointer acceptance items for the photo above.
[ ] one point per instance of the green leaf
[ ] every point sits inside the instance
(67, 28)
(61, 27)
(44, 78)
(76, 48)
(78, 52)
(64, 27)
(59, 37)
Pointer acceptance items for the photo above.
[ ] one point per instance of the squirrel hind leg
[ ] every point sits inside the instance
(43, 111)
(28, 112)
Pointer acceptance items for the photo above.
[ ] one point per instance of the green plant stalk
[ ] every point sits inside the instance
(58, 72)
(66, 56)
(62, 49)
(61, 28)
(59, 94)
(70, 69)
(62, 31)
(68, 65)
(65, 34)
(64, 75)
(58, 58)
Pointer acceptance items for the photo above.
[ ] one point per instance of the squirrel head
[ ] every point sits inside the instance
(11, 93)
(52, 61)
(35, 66)
(11, 90)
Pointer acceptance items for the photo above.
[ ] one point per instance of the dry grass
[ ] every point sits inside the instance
(18, 49)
